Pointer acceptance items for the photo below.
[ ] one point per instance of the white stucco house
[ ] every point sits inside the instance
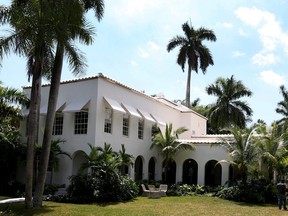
(100, 110)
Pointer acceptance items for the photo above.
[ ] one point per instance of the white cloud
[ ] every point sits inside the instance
(272, 78)
(226, 25)
(152, 46)
(142, 53)
(237, 53)
(242, 32)
(269, 32)
(264, 59)
(133, 63)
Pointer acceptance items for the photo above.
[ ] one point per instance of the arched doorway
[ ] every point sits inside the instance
(151, 169)
(78, 160)
(138, 170)
(213, 173)
(190, 172)
(169, 172)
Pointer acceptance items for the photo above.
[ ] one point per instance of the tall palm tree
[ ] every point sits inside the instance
(229, 110)
(192, 51)
(169, 145)
(30, 37)
(71, 25)
(282, 108)
(242, 150)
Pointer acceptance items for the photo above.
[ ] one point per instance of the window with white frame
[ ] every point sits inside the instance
(58, 124)
(81, 122)
(108, 120)
(125, 130)
(140, 128)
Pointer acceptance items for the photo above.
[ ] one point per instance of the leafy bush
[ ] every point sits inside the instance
(180, 189)
(108, 188)
(255, 190)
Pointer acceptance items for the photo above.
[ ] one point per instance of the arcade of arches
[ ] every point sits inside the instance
(213, 171)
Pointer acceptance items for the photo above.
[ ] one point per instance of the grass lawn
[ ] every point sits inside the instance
(168, 206)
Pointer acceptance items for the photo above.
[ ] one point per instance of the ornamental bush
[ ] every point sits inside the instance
(109, 188)
(255, 191)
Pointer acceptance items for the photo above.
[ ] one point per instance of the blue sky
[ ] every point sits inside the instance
(130, 47)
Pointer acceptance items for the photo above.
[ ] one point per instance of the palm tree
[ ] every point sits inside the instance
(8, 97)
(273, 146)
(193, 51)
(30, 37)
(228, 109)
(169, 145)
(72, 26)
(242, 150)
(282, 108)
(126, 159)
(10, 115)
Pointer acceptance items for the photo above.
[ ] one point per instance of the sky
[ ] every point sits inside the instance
(131, 40)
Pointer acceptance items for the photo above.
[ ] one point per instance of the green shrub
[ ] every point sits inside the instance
(255, 190)
(110, 187)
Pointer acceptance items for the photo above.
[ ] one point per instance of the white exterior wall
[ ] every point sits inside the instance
(96, 89)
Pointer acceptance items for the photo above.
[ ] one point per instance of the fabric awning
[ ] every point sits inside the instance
(158, 120)
(146, 116)
(76, 106)
(114, 105)
(132, 111)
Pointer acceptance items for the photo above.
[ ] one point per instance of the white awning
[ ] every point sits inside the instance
(60, 106)
(132, 111)
(114, 105)
(158, 120)
(146, 115)
(76, 106)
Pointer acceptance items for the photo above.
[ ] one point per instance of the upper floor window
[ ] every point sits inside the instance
(140, 128)
(58, 124)
(81, 123)
(125, 130)
(108, 120)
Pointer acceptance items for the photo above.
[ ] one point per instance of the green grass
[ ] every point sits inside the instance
(168, 206)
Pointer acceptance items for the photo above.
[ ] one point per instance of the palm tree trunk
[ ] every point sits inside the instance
(188, 86)
(32, 132)
(46, 145)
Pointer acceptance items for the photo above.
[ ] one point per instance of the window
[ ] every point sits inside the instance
(140, 128)
(125, 131)
(58, 124)
(108, 120)
(81, 123)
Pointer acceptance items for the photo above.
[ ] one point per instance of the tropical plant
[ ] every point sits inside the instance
(282, 108)
(242, 150)
(168, 145)
(192, 51)
(126, 159)
(31, 37)
(273, 150)
(229, 110)
(71, 25)
(10, 146)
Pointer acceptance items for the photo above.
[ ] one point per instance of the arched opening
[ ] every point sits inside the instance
(151, 169)
(190, 172)
(169, 172)
(138, 170)
(78, 160)
(213, 173)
